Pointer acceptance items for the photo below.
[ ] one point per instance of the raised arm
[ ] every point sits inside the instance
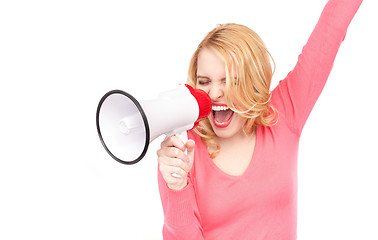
(295, 96)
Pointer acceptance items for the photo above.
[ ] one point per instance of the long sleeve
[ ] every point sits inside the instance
(181, 217)
(295, 96)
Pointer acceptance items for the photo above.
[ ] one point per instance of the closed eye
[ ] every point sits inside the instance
(203, 81)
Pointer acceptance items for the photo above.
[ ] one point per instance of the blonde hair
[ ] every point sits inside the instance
(248, 77)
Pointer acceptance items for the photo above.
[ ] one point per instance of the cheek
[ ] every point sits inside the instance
(204, 88)
(237, 121)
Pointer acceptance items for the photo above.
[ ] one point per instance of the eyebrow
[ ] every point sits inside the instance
(200, 76)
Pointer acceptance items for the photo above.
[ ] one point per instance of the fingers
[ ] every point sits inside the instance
(172, 152)
(174, 164)
(173, 141)
(168, 159)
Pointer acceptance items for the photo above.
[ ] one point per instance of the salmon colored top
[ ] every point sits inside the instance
(262, 203)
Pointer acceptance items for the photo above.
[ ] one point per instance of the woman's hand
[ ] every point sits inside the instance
(174, 164)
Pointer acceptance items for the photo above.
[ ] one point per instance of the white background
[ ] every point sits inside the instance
(57, 59)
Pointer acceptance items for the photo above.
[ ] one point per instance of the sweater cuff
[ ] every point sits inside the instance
(181, 205)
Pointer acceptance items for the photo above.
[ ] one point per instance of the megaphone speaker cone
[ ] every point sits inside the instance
(122, 127)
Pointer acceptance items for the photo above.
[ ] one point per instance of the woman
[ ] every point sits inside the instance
(238, 179)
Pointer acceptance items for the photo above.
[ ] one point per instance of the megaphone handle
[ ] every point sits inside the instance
(184, 137)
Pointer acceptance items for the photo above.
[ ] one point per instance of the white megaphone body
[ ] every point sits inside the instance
(126, 126)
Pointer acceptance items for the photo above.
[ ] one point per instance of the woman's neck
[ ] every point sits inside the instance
(239, 139)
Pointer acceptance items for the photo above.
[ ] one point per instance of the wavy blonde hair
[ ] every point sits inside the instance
(248, 77)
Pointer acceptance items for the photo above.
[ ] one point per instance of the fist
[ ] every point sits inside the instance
(174, 163)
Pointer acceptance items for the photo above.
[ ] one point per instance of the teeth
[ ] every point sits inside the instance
(219, 108)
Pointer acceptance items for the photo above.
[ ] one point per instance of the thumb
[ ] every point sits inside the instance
(190, 144)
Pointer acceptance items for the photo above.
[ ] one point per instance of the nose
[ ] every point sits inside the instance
(216, 92)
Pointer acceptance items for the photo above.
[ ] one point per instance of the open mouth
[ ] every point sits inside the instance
(221, 115)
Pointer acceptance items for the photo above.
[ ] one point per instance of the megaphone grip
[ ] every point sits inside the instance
(183, 136)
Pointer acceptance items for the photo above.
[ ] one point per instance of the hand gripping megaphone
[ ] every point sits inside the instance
(126, 126)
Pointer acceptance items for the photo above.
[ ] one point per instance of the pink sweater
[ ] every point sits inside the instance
(262, 203)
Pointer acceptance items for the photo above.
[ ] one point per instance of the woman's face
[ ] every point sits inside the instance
(211, 77)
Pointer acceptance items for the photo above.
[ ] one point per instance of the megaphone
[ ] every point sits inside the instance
(126, 126)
